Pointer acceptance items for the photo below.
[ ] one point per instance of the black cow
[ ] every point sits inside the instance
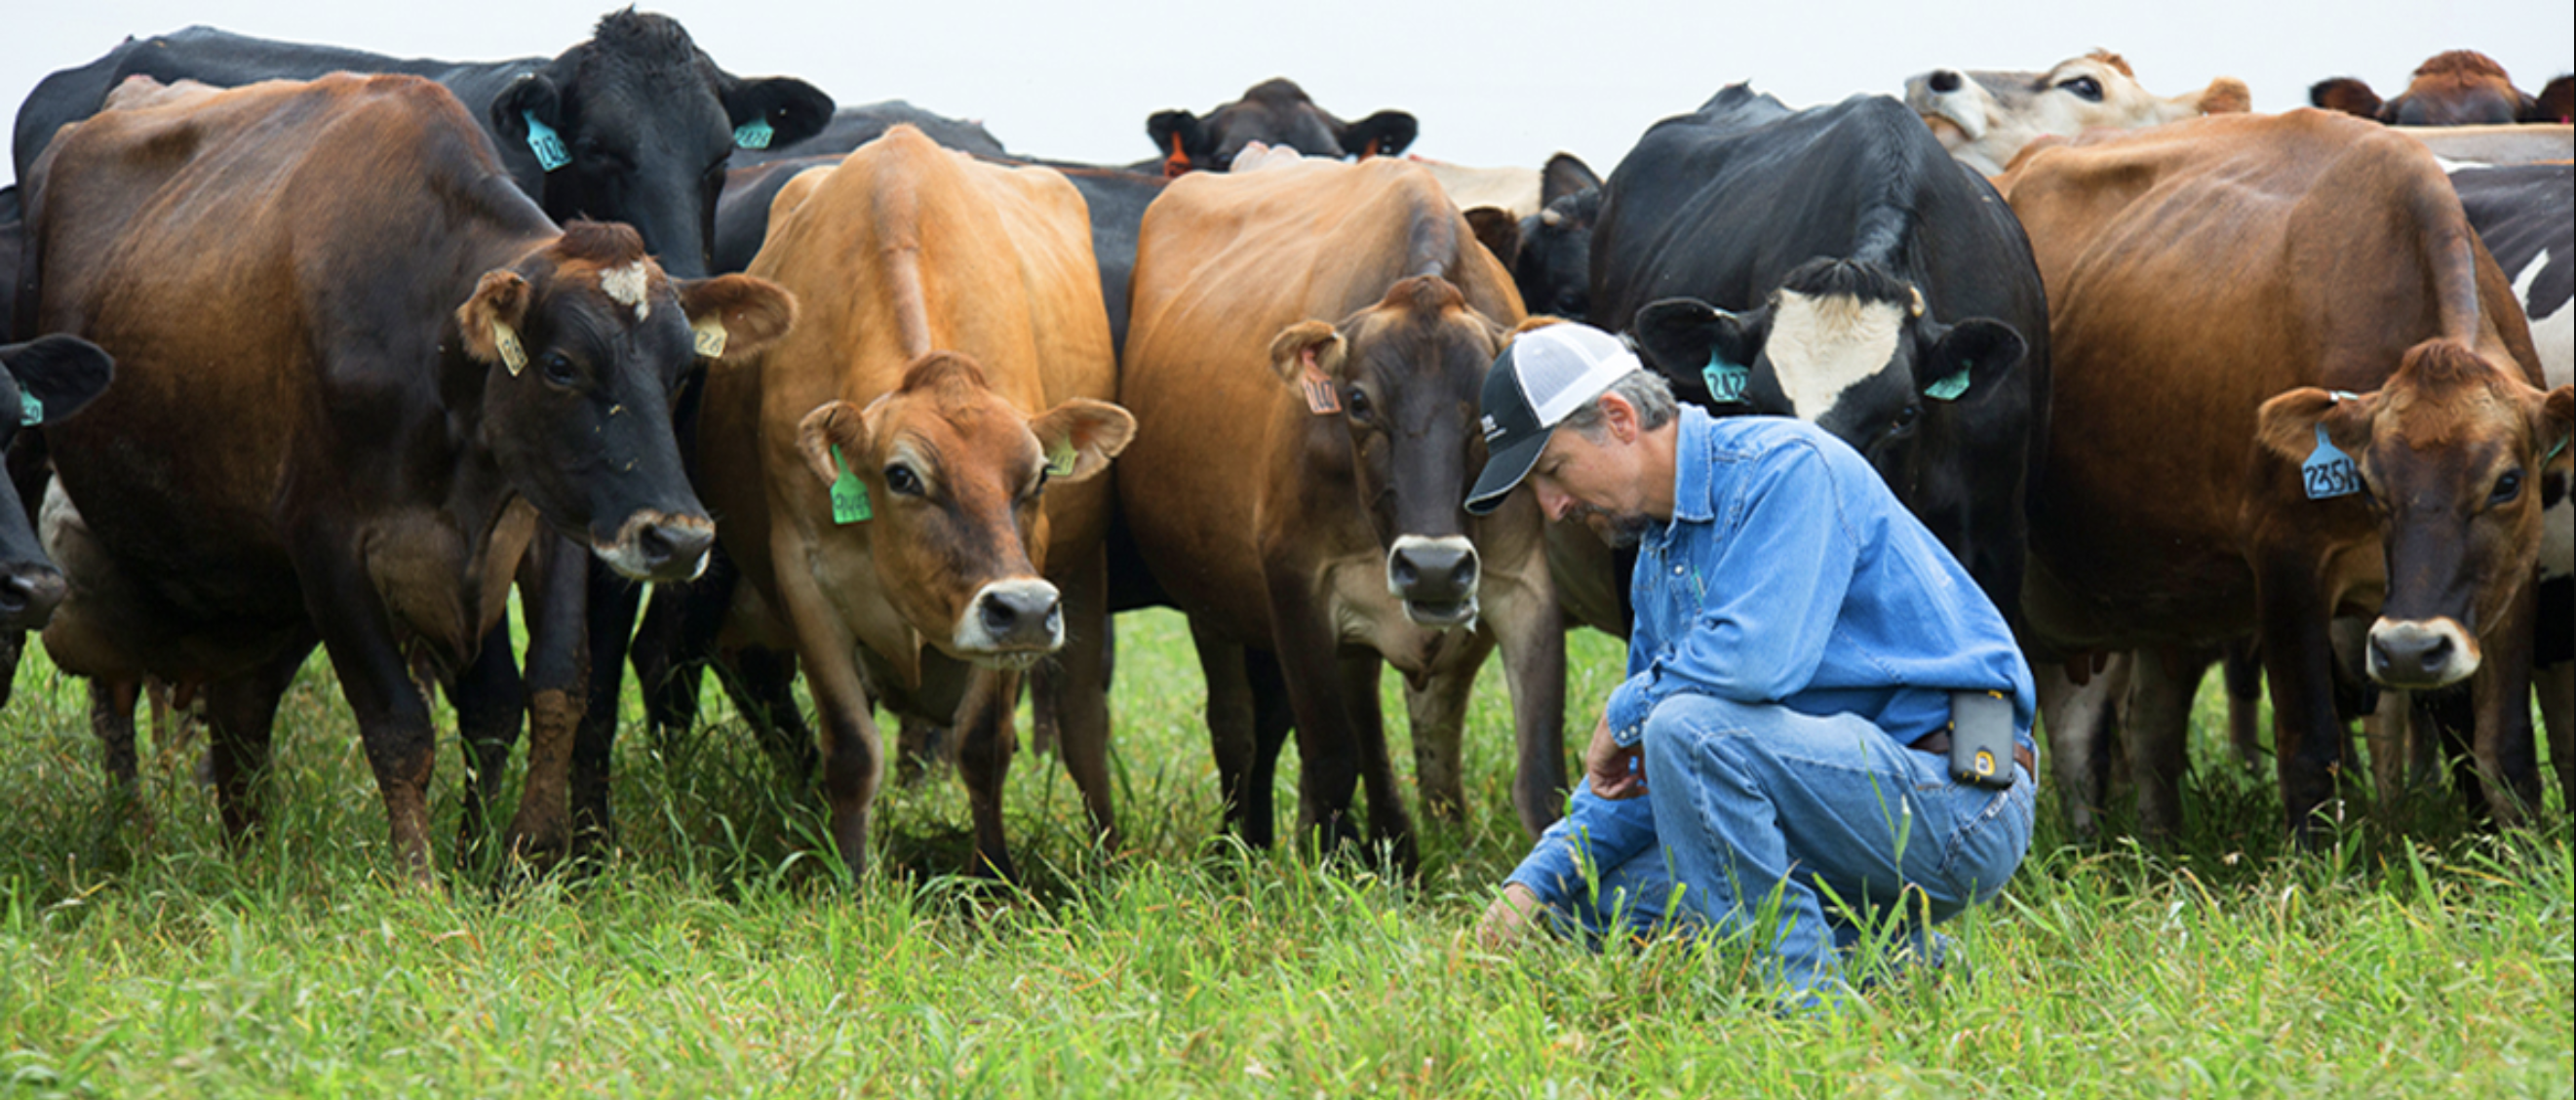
(1552, 264)
(633, 126)
(852, 127)
(46, 380)
(1275, 112)
(1835, 264)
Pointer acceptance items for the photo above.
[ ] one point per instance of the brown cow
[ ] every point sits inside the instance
(1304, 359)
(2234, 302)
(356, 368)
(2454, 88)
(898, 474)
(1986, 117)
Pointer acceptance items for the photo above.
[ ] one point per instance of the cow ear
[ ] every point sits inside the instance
(1178, 138)
(2553, 422)
(732, 316)
(1383, 134)
(1081, 436)
(1498, 231)
(530, 95)
(794, 109)
(2345, 94)
(1972, 356)
(1680, 338)
(2287, 424)
(833, 424)
(1565, 174)
(2226, 96)
(56, 376)
(490, 320)
(1304, 344)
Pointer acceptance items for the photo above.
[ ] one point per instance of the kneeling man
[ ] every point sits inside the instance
(1832, 719)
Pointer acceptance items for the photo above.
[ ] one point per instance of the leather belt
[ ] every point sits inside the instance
(1937, 743)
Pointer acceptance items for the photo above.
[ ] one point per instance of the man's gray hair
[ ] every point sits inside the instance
(1645, 390)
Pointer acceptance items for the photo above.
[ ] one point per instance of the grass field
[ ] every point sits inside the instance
(720, 955)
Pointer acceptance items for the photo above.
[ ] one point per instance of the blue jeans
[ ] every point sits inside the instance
(1839, 822)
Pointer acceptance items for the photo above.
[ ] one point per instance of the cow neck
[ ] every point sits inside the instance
(478, 494)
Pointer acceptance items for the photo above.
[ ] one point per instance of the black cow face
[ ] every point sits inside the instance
(1275, 113)
(635, 126)
(47, 380)
(1402, 378)
(578, 350)
(1553, 269)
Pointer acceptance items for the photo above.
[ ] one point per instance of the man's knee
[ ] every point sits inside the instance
(1684, 722)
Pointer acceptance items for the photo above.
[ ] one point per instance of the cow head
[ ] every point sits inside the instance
(946, 480)
(1552, 264)
(2450, 454)
(573, 354)
(1985, 117)
(46, 380)
(644, 122)
(1277, 113)
(2458, 88)
(1405, 374)
(2556, 102)
(1842, 344)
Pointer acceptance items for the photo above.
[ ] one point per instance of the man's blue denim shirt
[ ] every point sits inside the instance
(1789, 574)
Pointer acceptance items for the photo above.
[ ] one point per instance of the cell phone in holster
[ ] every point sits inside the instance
(1981, 739)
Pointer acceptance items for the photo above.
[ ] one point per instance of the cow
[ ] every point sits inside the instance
(909, 480)
(852, 127)
(46, 380)
(1836, 265)
(2452, 88)
(1275, 112)
(1538, 223)
(1305, 355)
(1985, 117)
(359, 372)
(2242, 447)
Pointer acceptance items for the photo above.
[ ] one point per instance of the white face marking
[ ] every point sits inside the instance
(2553, 334)
(1820, 347)
(625, 286)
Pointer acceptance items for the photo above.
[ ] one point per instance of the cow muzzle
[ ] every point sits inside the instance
(1010, 624)
(658, 546)
(2416, 654)
(28, 595)
(1436, 579)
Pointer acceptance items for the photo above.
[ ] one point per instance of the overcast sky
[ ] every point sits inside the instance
(1508, 84)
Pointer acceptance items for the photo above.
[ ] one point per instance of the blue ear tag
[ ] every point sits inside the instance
(31, 411)
(849, 494)
(2329, 473)
(545, 143)
(1725, 380)
(754, 134)
(1948, 389)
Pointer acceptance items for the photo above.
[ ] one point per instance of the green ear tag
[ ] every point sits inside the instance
(1060, 459)
(31, 411)
(849, 495)
(1948, 389)
(1725, 380)
(754, 134)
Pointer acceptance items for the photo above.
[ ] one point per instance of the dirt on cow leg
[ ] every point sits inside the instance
(541, 831)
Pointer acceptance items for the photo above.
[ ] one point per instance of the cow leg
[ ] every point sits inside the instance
(2556, 687)
(609, 619)
(241, 715)
(2298, 666)
(487, 696)
(920, 747)
(392, 713)
(2079, 721)
(2162, 682)
(111, 718)
(1435, 706)
(2242, 670)
(1074, 687)
(853, 749)
(2506, 759)
(1390, 819)
(1529, 626)
(1231, 737)
(1328, 751)
(2398, 757)
(762, 685)
(986, 743)
(555, 588)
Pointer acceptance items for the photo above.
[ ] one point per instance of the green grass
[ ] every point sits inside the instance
(718, 954)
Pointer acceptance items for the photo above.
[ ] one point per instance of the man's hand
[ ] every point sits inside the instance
(1508, 918)
(1615, 772)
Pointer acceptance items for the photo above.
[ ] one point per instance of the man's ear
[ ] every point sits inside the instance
(1680, 338)
(1179, 139)
(732, 316)
(2287, 424)
(1308, 343)
(1498, 231)
(1565, 174)
(491, 320)
(56, 375)
(533, 94)
(794, 109)
(1092, 432)
(1968, 358)
(2345, 94)
(1383, 134)
(832, 424)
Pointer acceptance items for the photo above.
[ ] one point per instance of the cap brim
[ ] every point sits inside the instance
(1503, 472)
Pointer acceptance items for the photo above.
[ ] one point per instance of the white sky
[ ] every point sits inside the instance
(1507, 85)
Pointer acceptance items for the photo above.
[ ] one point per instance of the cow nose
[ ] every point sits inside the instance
(1436, 571)
(1945, 81)
(2406, 654)
(28, 596)
(666, 545)
(1020, 616)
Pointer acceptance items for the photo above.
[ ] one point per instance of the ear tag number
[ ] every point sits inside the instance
(1322, 399)
(1726, 381)
(754, 134)
(545, 143)
(849, 494)
(2329, 473)
(1949, 389)
(709, 337)
(1060, 459)
(506, 339)
(31, 411)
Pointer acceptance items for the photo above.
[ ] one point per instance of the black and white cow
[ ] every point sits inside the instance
(1836, 265)
(1276, 113)
(41, 382)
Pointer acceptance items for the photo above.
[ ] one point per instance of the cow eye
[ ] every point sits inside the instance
(2506, 488)
(1358, 400)
(2085, 88)
(901, 480)
(559, 369)
(1906, 416)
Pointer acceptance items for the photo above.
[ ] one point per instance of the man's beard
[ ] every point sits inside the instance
(1620, 530)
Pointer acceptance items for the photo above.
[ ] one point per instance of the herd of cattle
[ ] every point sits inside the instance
(2176, 382)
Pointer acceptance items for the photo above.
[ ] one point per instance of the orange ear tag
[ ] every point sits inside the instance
(1322, 399)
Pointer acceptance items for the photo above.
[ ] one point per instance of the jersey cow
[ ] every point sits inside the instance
(1835, 265)
(2263, 451)
(2453, 88)
(1307, 349)
(1275, 112)
(1986, 117)
(358, 369)
(910, 480)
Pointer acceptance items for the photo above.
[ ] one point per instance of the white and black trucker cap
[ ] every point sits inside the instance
(1541, 377)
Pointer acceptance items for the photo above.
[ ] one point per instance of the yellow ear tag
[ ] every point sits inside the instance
(512, 355)
(710, 338)
(1917, 304)
(1060, 459)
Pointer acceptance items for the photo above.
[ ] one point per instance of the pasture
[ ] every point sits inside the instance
(719, 953)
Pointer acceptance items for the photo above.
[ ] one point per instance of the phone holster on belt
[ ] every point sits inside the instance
(1981, 739)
